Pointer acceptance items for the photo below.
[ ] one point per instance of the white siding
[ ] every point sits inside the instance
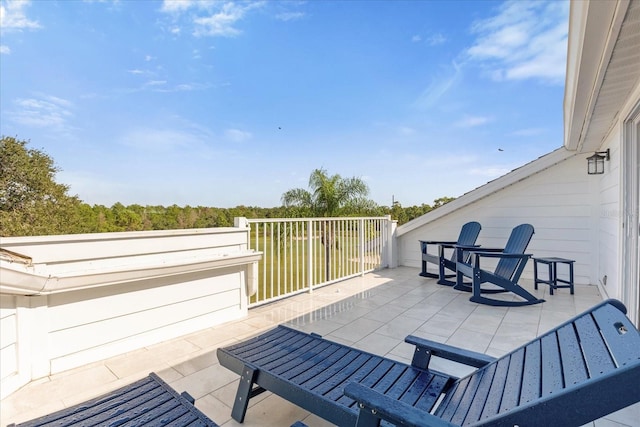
(8, 337)
(556, 201)
(608, 219)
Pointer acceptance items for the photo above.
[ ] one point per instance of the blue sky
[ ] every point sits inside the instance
(219, 103)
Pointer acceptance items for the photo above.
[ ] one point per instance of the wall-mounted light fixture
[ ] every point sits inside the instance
(595, 163)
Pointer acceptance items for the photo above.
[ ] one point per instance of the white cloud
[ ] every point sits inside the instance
(524, 40)
(237, 135)
(176, 6)
(436, 39)
(406, 131)
(135, 71)
(439, 87)
(46, 111)
(290, 16)
(12, 16)
(4, 50)
(210, 18)
(472, 121)
(490, 172)
(416, 38)
(528, 132)
(154, 140)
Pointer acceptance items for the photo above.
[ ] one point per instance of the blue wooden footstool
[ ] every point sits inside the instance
(552, 278)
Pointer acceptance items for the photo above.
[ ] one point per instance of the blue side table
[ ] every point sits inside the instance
(552, 280)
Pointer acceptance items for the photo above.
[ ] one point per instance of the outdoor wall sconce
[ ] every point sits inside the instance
(595, 163)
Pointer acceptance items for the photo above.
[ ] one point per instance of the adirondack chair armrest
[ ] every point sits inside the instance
(427, 348)
(437, 242)
(455, 245)
(482, 253)
(376, 406)
(469, 247)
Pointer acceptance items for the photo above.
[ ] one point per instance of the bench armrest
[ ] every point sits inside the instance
(376, 406)
(427, 348)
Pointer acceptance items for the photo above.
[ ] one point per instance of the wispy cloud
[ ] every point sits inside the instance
(406, 130)
(13, 17)
(4, 50)
(177, 6)
(436, 39)
(416, 38)
(290, 16)
(490, 172)
(528, 132)
(472, 121)
(526, 39)
(237, 135)
(439, 87)
(159, 140)
(44, 112)
(208, 18)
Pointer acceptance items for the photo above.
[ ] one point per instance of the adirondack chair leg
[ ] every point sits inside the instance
(477, 297)
(245, 392)
(442, 276)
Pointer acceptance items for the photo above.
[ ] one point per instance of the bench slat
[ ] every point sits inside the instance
(596, 353)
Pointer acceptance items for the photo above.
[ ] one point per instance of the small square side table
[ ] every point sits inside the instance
(552, 281)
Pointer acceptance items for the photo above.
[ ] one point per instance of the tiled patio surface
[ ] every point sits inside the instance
(374, 313)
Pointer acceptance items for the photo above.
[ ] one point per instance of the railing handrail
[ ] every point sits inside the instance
(322, 218)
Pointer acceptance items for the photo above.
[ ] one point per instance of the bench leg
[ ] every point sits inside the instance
(244, 393)
(366, 418)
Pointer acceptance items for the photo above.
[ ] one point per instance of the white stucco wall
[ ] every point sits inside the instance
(557, 201)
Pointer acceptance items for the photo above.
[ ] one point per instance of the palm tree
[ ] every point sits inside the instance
(328, 196)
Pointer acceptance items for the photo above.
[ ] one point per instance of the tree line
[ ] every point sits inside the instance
(32, 203)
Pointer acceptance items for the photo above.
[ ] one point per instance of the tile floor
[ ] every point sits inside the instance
(374, 313)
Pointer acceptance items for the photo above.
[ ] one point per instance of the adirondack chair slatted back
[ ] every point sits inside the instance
(517, 244)
(569, 372)
(468, 236)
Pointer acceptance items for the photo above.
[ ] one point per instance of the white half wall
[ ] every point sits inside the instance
(148, 297)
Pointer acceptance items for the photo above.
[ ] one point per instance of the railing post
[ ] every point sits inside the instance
(310, 255)
(240, 222)
(391, 249)
(361, 248)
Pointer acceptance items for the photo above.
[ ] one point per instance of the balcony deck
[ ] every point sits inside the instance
(374, 313)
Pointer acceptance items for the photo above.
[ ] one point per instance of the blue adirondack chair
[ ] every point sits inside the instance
(468, 235)
(512, 261)
(147, 402)
(582, 370)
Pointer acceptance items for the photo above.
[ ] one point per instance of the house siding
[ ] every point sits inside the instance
(608, 189)
(557, 201)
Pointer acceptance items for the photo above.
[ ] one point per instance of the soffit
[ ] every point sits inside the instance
(621, 75)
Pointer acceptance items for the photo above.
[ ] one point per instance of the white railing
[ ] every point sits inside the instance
(304, 253)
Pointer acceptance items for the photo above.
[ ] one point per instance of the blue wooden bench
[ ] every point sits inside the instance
(580, 371)
(148, 402)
